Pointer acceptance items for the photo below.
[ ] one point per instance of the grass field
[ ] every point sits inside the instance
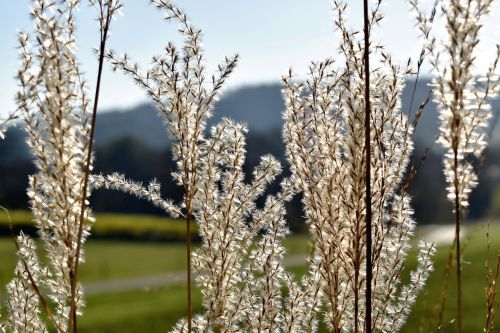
(474, 274)
(107, 260)
(117, 226)
(157, 309)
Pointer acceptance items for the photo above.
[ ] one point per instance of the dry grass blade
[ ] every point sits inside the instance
(368, 194)
(107, 10)
(491, 289)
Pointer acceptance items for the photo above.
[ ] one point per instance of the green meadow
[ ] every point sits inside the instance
(157, 309)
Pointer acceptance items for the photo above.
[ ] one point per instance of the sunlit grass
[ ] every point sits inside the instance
(473, 277)
(105, 260)
(110, 225)
(155, 310)
(158, 309)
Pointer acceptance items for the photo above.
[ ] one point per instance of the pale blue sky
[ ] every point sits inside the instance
(269, 35)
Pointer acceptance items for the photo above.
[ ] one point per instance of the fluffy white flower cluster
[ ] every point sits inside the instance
(52, 101)
(23, 302)
(325, 137)
(239, 264)
(151, 193)
(53, 104)
(462, 94)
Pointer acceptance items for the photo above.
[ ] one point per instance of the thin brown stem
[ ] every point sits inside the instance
(457, 247)
(356, 292)
(439, 309)
(491, 292)
(73, 327)
(189, 196)
(188, 278)
(369, 268)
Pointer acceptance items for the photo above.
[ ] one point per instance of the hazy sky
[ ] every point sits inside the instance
(269, 35)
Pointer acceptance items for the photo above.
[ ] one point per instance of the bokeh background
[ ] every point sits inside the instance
(135, 259)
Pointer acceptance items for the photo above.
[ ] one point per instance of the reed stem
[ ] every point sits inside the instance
(368, 294)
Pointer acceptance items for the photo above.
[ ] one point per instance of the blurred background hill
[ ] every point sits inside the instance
(133, 141)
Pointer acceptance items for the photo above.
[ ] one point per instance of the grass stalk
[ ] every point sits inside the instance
(491, 286)
(73, 326)
(188, 276)
(457, 239)
(368, 294)
(458, 265)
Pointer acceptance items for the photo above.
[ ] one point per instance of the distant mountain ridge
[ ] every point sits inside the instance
(260, 107)
(134, 142)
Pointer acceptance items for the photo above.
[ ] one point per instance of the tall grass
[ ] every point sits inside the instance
(348, 144)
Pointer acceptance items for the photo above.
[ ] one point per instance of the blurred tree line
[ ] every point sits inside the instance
(135, 143)
(141, 162)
